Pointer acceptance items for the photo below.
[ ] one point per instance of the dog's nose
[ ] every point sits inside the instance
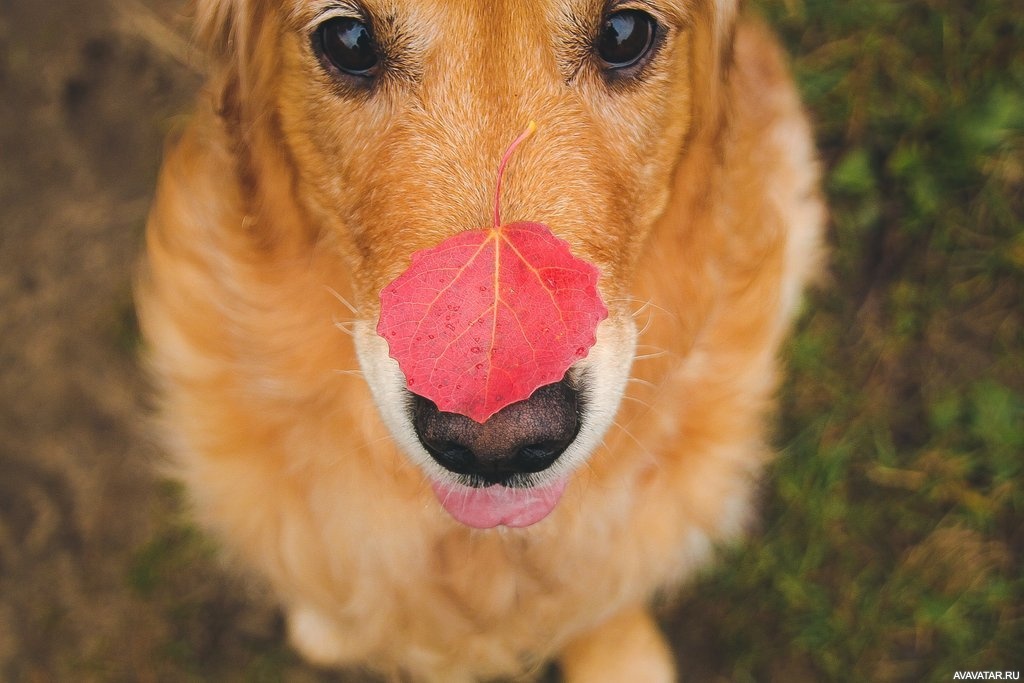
(524, 437)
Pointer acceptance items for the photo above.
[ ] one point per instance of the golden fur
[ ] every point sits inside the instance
(694, 192)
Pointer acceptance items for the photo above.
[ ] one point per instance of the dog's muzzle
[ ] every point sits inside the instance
(521, 439)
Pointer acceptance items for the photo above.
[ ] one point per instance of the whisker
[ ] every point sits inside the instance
(647, 325)
(655, 347)
(647, 356)
(588, 474)
(643, 449)
(343, 300)
(353, 373)
(372, 442)
(644, 305)
(346, 326)
(337, 463)
(404, 464)
(634, 399)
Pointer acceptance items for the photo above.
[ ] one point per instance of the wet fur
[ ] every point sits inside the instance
(285, 201)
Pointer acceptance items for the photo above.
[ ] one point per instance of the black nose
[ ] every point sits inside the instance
(524, 437)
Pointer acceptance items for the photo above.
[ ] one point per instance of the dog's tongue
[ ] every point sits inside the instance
(483, 508)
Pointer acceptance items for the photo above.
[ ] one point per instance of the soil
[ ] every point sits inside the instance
(100, 579)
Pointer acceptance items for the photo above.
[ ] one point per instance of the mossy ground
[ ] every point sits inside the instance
(893, 534)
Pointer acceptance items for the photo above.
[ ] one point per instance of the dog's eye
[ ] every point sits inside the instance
(626, 38)
(348, 45)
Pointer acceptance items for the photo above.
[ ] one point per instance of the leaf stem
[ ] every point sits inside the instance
(501, 170)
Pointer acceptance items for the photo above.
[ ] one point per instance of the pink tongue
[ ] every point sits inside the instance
(483, 508)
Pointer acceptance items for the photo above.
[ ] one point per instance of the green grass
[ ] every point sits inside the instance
(894, 518)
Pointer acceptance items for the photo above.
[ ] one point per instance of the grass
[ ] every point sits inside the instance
(893, 533)
(894, 518)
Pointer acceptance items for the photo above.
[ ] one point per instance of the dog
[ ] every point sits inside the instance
(336, 139)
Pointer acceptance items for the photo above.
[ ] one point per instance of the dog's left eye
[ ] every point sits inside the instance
(348, 45)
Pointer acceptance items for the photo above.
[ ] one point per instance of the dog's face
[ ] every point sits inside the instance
(393, 115)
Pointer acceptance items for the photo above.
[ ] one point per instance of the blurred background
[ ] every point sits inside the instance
(892, 542)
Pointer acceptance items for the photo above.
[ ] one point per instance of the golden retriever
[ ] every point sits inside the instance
(335, 139)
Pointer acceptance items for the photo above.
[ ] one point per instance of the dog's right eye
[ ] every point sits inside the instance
(626, 40)
(347, 44)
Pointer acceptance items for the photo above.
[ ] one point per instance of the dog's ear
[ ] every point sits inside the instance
(236, 36)
(216, 25)
(227, 29)
(714, 55)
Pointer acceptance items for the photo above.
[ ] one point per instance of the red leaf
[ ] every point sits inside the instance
(488, 316)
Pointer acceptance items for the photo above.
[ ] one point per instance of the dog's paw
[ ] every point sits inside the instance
(316, 637)
(627, 647)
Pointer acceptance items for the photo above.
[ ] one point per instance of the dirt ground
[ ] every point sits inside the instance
(87, 93)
